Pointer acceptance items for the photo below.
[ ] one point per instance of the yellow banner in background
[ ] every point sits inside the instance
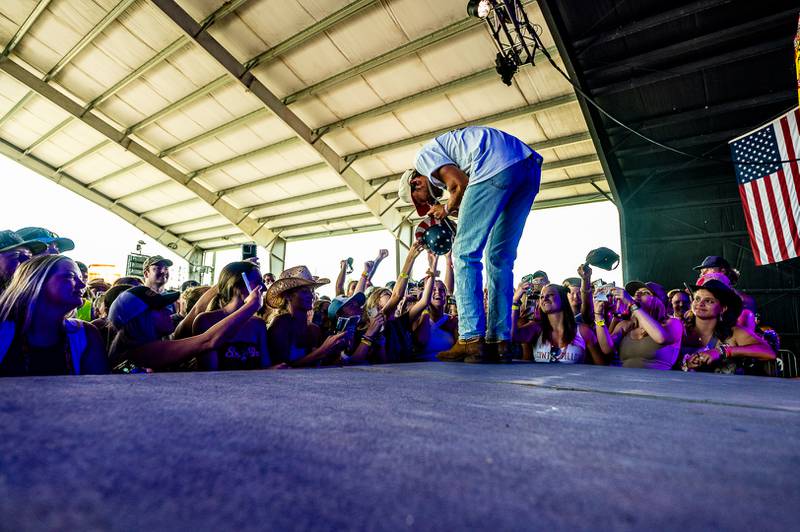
(797, 56)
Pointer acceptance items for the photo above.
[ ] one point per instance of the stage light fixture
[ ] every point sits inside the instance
(514, 36)
(479, 8)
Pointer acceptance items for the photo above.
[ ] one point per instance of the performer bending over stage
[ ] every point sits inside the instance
(492, 178)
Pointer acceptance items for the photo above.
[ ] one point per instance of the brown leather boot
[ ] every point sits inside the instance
(461, 351)
(498, 352)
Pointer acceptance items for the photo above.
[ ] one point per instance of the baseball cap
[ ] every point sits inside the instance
(713, 261)
(11, 240)
(156, 259)
(47, 237)
(134, 301)
(191, 283)
(340, 301)
(404, 192)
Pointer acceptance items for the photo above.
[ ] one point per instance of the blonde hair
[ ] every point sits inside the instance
(372, 301)
(18, 301)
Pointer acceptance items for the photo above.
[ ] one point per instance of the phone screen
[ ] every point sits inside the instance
(247, 282)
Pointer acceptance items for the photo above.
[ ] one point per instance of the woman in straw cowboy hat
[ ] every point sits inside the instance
(292, 339)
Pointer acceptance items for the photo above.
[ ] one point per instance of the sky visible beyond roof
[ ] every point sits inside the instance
(555, 240)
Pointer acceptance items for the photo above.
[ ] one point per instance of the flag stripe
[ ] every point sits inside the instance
(774, 219)
(762, 224)
(790, 181)
(790, 229)
(749, 220)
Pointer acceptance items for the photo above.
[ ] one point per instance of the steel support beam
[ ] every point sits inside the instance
(309, 33)
(277, 256)
(323, 209)
(201, 243)
(158, 233)
(294, 199)
(706, 112)
(137, 73)
(695, 236)
(466, 81)
(340, 232)
(25, 27)
(645, 24)
(644, 60)
(378, 206)
(223, 80)
(273, 178)
(116, 173)
(398, 53)
(690, 68)
(201, 219)
(248, 226)
(17, 106)
(318, 223)
(110, 17)
(497, 117)
(188, 235)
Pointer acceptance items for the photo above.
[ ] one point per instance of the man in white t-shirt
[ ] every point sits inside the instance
(492, 179)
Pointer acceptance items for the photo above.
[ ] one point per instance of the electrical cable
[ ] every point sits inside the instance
(661, 145)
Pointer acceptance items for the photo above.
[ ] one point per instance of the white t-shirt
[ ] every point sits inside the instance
(574, 353)
(480, 152)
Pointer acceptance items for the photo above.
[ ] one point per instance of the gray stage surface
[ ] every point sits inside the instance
(425, 446)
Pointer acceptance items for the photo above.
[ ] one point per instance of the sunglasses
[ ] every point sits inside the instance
(556, 354)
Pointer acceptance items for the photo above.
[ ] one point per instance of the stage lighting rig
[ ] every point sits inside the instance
(515, 37)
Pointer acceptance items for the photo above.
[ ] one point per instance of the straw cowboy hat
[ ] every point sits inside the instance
(290, 279)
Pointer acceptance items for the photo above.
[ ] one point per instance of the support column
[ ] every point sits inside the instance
(403, 242)
(277, 256)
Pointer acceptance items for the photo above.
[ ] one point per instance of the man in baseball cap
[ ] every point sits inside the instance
(492, 178)
(54, 244)
(156, 273)
(14, 250)
(133, 302)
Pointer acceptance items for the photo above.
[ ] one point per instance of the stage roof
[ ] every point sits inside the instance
(209, 124)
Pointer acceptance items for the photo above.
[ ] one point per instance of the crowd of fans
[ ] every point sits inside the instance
(54, 321)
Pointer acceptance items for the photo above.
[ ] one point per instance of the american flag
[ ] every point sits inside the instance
(770, 191)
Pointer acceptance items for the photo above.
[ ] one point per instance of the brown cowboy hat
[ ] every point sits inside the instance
(290, 279)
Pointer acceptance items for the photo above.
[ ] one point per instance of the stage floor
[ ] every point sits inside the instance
(418, 446)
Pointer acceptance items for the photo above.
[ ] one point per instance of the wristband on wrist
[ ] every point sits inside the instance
(514, 307)
(600, 323)
(403, 275)
(366, 341)
(635, 307)
(724, 351)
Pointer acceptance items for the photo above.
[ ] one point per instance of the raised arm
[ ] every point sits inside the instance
(163, 353)
(361, 285)
(585, 273)
(402, 280)
(184, 328)
(530, 330)
(661, 335)
(449, 277)
(424, 301)
(340, 278)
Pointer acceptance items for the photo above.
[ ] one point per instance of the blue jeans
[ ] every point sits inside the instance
(492, 217)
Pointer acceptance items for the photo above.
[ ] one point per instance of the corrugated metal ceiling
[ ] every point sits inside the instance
(195, 158)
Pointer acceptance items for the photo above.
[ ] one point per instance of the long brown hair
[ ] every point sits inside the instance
(567, 317)
(18, 301)
(230, 280)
